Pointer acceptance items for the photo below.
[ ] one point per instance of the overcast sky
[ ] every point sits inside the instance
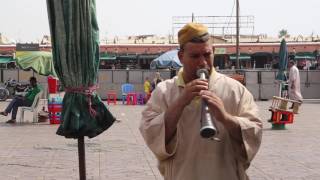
(26, 20)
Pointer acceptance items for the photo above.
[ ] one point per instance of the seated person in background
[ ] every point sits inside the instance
(18, 101)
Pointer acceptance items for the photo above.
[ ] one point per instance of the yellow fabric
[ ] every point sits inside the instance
(190, 31)
(180, 83)
(147, 87)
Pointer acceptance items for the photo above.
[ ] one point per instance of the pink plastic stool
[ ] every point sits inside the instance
(132, 98)
(112, 96)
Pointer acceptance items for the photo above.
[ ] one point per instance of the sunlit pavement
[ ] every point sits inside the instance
(34, 151)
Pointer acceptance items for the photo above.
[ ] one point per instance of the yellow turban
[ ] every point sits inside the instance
(190, 31)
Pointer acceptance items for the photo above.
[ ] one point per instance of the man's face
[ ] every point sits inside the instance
(195, 56)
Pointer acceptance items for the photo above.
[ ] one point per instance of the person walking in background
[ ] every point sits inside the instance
(147, 89)
(170, 123)
(18, 101)
(157, 79)
(294, 82)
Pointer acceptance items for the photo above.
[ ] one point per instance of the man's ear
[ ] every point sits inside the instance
(180, 55)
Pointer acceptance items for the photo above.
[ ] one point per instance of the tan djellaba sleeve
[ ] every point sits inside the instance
(152, 126)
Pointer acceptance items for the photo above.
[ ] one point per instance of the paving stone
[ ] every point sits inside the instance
(34, 152)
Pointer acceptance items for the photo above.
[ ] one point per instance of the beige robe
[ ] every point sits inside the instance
(294, 79)
(188, 156)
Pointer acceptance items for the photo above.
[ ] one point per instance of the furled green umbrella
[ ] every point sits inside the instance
(283, 62)
(75, 50)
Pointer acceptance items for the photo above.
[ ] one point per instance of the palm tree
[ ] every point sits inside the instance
(283, 33)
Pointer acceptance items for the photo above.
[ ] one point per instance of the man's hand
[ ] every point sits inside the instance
(175, 109)
(215, 105)
(192, 89)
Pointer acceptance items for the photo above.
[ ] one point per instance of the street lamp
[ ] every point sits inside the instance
(237, 34)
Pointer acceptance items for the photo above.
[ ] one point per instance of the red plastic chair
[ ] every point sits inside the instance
(282, 117)
(112, 96)
(125, 89)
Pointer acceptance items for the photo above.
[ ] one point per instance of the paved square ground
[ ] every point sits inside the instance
(34, 152)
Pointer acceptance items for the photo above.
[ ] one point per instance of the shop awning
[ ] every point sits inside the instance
(148, 56)
(127, 57)
(304, 55)
(107, 57)
(242, 57)
(6, 59)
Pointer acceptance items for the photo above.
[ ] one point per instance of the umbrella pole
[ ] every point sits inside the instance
(280, 88)
(82, 158)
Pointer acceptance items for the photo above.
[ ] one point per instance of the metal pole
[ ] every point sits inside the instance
(82, 158)
(237, 39)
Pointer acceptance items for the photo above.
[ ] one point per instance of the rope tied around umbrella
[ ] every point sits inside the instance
(88, 92)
